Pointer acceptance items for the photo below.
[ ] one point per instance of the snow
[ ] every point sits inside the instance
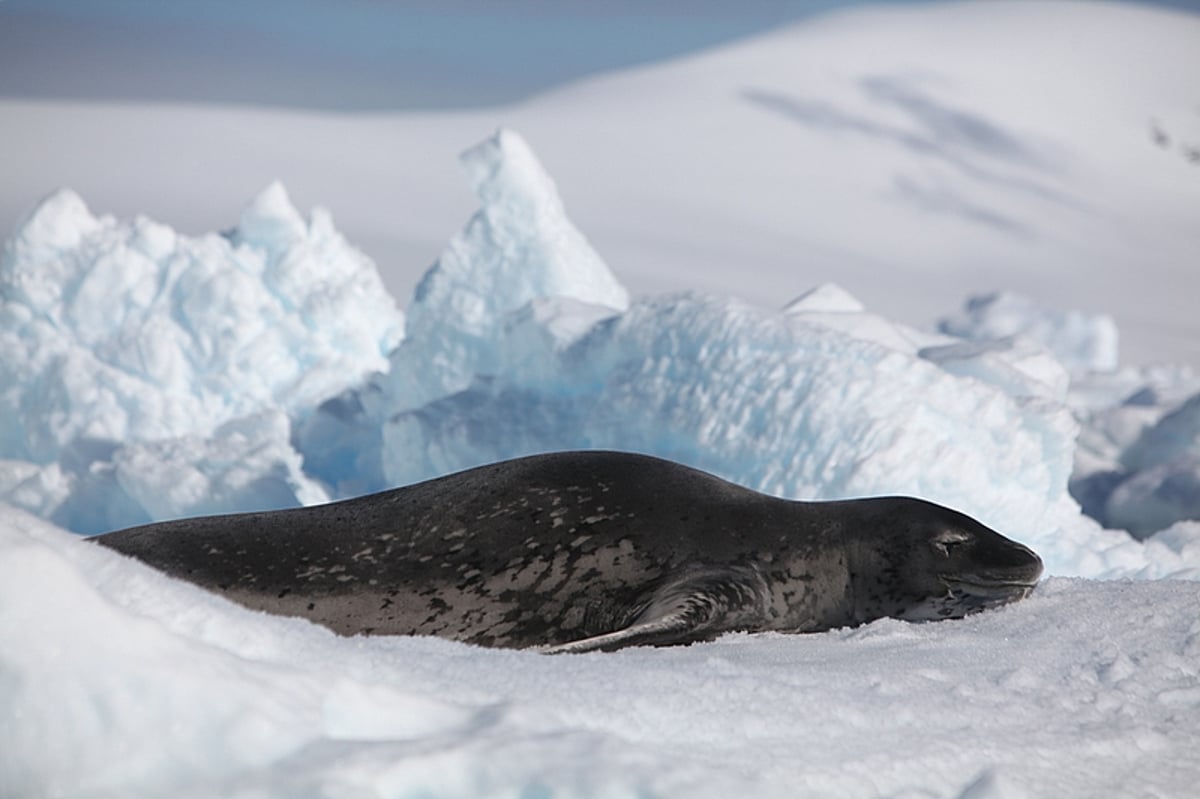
(907, 153)
(100, 315)
(160, 688)
(150, 373)
(1086, 688)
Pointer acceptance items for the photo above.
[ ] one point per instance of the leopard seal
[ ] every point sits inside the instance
(592, 550)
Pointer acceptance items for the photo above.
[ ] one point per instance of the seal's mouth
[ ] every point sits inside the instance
(987, 588)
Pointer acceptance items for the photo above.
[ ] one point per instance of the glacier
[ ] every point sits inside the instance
(290, 377)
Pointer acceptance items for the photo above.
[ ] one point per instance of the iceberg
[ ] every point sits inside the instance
(1158, 479)
(127, 331)
(1082, 342)
(268, 368)
(520, 246)
(121, 335)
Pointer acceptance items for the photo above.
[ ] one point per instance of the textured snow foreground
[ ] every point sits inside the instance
(118, 681)
(148, 375)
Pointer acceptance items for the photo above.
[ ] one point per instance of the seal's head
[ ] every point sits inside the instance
(936, 563)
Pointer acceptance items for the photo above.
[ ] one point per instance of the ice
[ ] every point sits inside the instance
(831, 306)
(767, 399)
(1081, 341)
(1158, 480)
(1137, 461)
(521, 340)
(1017, 366)
(244, 463)
(518, 282)
(249, 383)
(126, 331)
(519, 246)
(144, 370)
(1176, 435)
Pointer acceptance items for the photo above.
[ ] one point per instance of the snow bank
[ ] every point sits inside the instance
(118, 681)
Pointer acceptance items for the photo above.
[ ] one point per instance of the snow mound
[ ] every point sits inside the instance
(164, 696)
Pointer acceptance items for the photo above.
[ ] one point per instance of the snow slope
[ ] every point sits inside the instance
(913, 155)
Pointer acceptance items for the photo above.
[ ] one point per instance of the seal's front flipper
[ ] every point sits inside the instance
(703, 604)
(672, 628)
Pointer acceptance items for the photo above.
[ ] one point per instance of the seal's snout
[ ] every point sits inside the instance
(1009, 568)
(1000, 559)
(1035, 564)
(1024, 565)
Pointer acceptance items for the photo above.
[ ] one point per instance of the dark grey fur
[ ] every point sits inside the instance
(576, 551)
